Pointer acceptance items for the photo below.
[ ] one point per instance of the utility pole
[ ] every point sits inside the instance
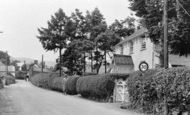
(42, 63)
(165, 48)
(165, 35)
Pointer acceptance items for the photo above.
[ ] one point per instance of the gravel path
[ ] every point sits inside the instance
(23, 98)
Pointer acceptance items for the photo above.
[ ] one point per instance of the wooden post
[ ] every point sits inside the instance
(165, 35)
(165, 48)
(60, 62)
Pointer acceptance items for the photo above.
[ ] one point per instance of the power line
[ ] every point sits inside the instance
(183, 8)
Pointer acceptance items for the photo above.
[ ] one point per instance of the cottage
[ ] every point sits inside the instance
(140, 49)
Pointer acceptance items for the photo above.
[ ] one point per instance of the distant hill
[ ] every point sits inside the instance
(30, 60)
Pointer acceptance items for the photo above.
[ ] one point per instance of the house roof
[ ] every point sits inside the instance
(137, 33)
(179, 60)
(123, 59)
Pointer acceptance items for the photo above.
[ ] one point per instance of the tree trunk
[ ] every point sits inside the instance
(84, 66)
(91, 62)
(60, 49)
(105, 62)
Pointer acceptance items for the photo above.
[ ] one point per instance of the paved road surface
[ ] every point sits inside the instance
(23, 98)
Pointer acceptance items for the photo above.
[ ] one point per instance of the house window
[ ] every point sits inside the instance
(121, 50)
(131, 47)
(143, 44)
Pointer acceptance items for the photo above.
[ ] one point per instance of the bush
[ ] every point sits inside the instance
(9, 79)
(20, 75)
(151, 90)
(1, 84)
(41, 80)
(70, 85)
(57, 83)
(98, 87)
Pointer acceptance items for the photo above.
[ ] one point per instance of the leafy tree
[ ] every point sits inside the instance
(96, 24)
(123, 28)
(4, 58)
(151, 12)
(54, 37)
(105, 42)
(24, 67)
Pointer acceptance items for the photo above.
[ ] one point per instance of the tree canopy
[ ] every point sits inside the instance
(151, 12)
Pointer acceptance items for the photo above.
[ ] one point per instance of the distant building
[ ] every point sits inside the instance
(4, 69)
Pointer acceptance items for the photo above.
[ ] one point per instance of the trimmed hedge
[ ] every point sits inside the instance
(41, 80)
(49, 81)
(98, 87)
(57, 83)
(20, 75)
(70, 85)
(157, 88)
(9, 79)
(1, 84)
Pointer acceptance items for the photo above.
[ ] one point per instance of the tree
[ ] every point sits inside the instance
(123, 28)
(151, 12)
(54, 37)
(24, 67)
(4, 58)
(96, 24)
(105, 42)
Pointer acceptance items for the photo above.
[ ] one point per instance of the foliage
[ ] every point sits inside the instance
(54, 37)
(24, 67)
(20, 75)
(40, 80)
(70, 85)
(98, 87)
(123, 28)
(56, 83)
(151, 90)
(4, 58)
(1, 84)
(151, 12)
(139, 88)
(49, 81)
(9, 79)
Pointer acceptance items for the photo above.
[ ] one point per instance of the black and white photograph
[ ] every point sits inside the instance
(94, 57)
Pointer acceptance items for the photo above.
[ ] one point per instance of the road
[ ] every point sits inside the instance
(23, 98)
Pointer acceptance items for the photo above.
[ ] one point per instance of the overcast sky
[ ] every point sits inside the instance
(19, 20)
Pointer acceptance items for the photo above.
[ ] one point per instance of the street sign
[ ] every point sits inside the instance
(143, 66)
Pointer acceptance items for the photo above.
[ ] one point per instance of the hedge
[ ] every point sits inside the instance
(9, 79)
(49, 81)
(57, 83)
(20, 75)
(70, 85)
(1, 84)
(98, 87)
(41, 80)
(157, 88)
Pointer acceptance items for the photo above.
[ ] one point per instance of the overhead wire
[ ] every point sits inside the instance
(183, 8)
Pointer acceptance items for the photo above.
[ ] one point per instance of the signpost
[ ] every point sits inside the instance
(143, 66)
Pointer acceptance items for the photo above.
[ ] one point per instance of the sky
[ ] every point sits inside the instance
(19, 20)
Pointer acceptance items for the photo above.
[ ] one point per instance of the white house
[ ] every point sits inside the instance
(140, 48)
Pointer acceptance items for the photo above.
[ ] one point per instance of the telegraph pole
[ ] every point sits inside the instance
(165, 35)
(165, 48)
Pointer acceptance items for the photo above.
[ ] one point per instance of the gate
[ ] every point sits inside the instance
(121, 91)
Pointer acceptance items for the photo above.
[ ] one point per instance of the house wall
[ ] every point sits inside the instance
(138, 55)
